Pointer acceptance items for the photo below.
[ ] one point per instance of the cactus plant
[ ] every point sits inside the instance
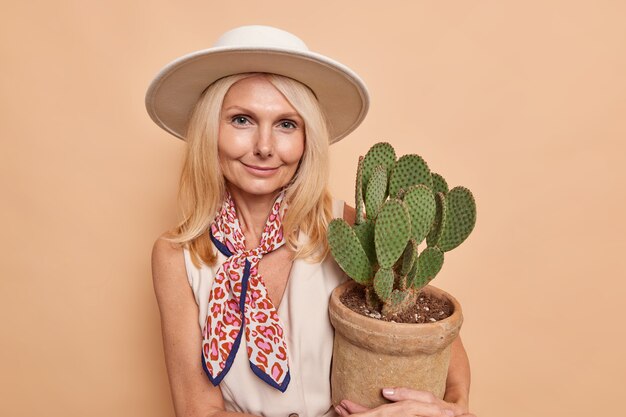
(399, 204)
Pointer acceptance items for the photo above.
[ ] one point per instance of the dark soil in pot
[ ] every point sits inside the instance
(428, 308)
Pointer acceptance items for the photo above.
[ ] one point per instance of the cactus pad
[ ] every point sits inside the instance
(365, 233)
(421, 203)
(391, 232)
(383, 283)
(358, 193)
(440, 219)
(348, 252)
(407, 171)
(439, 183)
(381, 153)
(409, 257)
(460, 218)
(376, 191)
(429, 264)
(410, 278)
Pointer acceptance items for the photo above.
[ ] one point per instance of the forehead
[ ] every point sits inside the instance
(256, 93)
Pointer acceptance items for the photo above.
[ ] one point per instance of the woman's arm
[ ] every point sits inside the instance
(458, 381)
(192, 392)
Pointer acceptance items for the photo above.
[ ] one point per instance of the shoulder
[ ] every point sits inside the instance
(168, 264)
(166, 254)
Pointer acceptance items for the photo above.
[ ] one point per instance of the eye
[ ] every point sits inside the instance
(288, 124)
(239, 120)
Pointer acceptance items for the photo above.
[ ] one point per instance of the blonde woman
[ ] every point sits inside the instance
(243, 281)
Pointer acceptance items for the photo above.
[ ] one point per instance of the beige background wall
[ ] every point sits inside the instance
(522, 102)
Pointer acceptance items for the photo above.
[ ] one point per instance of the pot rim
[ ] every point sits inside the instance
(369, 332)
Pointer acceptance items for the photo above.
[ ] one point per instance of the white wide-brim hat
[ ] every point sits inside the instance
(173, 93)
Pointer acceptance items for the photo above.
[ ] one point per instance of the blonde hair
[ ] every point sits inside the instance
(202, 185)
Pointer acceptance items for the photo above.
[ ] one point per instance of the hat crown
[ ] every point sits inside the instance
(259, 36)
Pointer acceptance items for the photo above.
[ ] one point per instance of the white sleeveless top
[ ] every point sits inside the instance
(303, 311)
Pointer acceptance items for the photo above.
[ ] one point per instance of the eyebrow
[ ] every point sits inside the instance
(290, 114)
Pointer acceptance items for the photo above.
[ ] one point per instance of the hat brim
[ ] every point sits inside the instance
(173, 93)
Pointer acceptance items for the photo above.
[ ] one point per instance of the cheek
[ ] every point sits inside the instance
(227, 155)
(222, 153)
(231, 144)
(292, 151)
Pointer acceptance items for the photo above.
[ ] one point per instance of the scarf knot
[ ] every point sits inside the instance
(239, 303)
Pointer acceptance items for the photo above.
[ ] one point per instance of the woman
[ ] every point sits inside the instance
(249, 261)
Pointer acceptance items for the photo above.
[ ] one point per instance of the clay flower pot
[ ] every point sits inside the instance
(371, 354)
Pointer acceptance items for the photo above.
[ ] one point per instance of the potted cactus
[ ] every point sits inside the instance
(406, 219)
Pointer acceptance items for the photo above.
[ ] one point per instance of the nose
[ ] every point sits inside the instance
(264, 144)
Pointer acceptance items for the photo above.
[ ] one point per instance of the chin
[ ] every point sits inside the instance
(260, 188)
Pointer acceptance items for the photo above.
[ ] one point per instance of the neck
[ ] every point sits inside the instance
(252, 212)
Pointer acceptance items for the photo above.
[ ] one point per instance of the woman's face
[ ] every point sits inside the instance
(261, 137)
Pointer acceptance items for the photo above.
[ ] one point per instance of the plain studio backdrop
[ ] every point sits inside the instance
(522, 102)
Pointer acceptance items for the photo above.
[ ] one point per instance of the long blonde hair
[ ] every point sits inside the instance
(202, 185)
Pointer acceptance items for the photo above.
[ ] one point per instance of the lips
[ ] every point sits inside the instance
(260, 171)
(260, 168)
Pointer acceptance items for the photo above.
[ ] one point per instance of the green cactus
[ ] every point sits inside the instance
(439, 184)
(398, 301)
(365, 233)
(409, 257)
(422, 208)
(348, 252)
(407, 171)
(392, 231)
(440, 218)
(358, 197)
(383, 283)
(380, 154)
(405, 204)
(460, 218)
(429, 263)
(376, 191)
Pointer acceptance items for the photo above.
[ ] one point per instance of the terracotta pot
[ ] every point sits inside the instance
(371, 354)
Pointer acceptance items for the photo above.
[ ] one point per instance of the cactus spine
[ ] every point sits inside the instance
(399, 204)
